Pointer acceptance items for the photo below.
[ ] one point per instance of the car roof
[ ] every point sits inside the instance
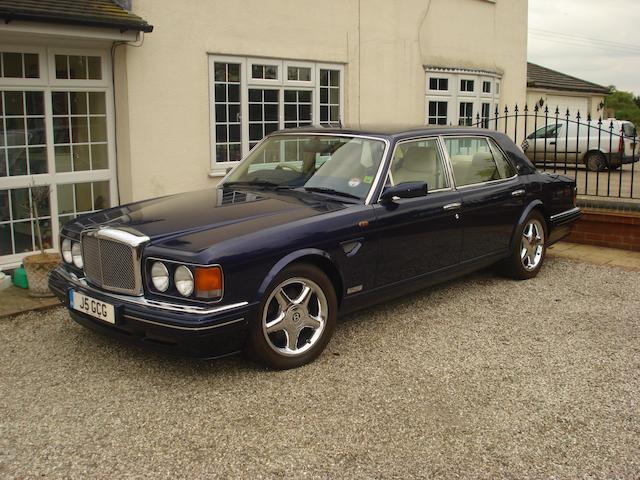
(392, 132)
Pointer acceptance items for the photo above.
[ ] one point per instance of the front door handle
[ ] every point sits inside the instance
(452, 206)
(552, 143)
(518, 193)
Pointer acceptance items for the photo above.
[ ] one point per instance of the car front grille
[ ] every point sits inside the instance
(111, 264)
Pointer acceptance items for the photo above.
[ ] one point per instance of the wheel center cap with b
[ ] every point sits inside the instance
(296, 317)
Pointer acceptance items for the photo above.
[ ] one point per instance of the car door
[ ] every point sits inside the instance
(491, 194)
(418, 236)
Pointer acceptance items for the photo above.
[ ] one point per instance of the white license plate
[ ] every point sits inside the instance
(95, 308)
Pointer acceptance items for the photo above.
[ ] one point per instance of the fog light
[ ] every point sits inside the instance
(66, 250)
(184, 281)
(160, 277)
(76, 254)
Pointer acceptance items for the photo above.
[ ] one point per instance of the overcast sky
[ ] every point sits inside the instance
(611, 57)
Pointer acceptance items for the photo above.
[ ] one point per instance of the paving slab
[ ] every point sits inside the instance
(14, 300)
(597, 255)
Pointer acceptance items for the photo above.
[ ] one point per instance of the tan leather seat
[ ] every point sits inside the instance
(419, 164)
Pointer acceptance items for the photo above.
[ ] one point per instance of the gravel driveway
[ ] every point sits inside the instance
(482, 377)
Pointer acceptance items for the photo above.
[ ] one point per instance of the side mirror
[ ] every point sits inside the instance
(405, 190)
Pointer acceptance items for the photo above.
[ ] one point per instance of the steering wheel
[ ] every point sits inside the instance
(287, 167)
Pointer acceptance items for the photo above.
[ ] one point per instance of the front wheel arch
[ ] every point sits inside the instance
(316, 257)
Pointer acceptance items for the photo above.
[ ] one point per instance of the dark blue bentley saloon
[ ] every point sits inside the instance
(312, 224)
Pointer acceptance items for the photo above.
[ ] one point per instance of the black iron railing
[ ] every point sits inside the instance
(601, 154)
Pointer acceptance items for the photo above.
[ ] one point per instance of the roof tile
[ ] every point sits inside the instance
(95, 13)
(542, 77)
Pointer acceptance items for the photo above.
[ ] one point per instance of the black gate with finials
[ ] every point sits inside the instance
(601, 154)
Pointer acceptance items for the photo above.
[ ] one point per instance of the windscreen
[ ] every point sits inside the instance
(344, 164)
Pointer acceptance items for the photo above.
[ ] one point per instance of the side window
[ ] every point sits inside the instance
(505, 168)
(473, 161)
(550, 131)
(418, 161)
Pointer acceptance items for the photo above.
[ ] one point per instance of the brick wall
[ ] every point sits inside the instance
(607, 229)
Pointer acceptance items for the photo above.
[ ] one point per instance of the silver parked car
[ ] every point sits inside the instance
(596, 145)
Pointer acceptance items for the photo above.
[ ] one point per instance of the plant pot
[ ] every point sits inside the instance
(38, 267)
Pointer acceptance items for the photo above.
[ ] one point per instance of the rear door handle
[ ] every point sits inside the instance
(552, 143)
(518, 193)
(452, 206)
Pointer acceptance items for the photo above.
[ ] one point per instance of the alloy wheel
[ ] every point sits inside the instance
(294, 317)
(532, 245)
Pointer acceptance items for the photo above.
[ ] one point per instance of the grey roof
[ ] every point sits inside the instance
(93, 13)
(542, 77)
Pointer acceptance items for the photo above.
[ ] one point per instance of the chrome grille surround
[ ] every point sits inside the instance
(112, 259)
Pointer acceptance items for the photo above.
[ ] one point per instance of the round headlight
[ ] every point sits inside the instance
(66, 250)
(184, 280)
(160, 277)
(76, 255)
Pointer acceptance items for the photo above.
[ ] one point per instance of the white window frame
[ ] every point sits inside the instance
(47, 83)
(42, 64)
(455, 96)
(439, 77)
(266, 62)
(298, 83)
(218, 169)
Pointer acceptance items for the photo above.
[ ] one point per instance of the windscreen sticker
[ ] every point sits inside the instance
(354, 182)
(368, 179)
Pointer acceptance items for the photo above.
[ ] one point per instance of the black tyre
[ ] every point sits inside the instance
(529, 249)
(595, 161)
(296, 318)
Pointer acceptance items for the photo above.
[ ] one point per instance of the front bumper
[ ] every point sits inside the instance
(172, 328)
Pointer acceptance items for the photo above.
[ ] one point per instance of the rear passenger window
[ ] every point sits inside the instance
(418, 161)
(474, 160)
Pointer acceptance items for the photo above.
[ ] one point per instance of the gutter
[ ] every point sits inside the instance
(87, 22)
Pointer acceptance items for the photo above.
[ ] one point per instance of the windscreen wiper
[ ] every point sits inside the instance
(331, 191)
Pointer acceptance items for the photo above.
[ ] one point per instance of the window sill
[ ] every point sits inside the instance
(221, 169)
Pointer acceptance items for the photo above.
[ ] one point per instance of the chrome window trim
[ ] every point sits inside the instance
(374, 184)
(142, 301)
(179, 297)
(463, 187)
(445, 164)
(126, 236)
(566, 213)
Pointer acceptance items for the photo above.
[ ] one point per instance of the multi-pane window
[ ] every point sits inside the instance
(264, 72)
(486, 113)
(466, 85)
(264, 106)
(54, 131)
(17, 221)
(78, 67)
(437, 83)
(437, 113)
(79, 198)
(297, 108)
(23, 137)
(79, 131)
(227, 111)
(19, 65)
(466, 113)
(469, 105)
(329, 96)
(299, 74)
(252, 98)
